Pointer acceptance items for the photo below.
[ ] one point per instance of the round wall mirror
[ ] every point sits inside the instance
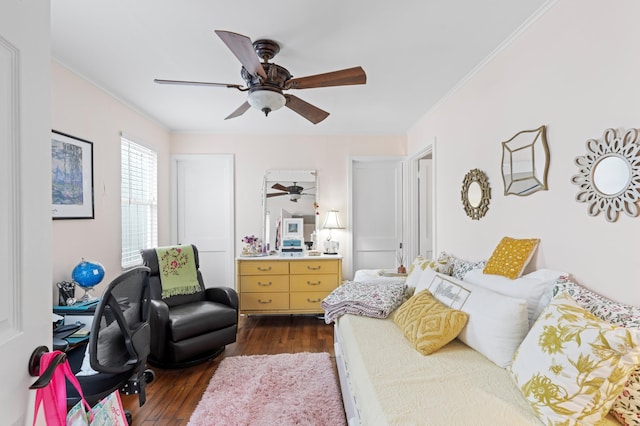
(476, 194)
(609, 174)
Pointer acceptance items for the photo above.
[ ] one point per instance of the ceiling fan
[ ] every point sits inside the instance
(265, 81)
(294, 191)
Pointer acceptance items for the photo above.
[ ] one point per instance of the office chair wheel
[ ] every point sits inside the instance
(149, 376)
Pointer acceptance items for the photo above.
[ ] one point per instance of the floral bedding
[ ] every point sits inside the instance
(372, 299)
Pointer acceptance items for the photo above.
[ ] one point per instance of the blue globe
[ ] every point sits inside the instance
(87, 274)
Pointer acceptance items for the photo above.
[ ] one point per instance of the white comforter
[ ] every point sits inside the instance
(393, 384)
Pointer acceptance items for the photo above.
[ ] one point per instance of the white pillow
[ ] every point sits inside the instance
(536, 288)
(425, 280)
(497, 323)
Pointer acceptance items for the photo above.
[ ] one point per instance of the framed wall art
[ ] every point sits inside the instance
(71, 177)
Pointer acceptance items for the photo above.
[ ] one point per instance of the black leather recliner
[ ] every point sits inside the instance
(189, 329)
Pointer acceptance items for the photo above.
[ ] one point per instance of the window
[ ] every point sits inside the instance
(139, 166)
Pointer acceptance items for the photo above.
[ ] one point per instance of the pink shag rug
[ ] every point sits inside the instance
(283, 389)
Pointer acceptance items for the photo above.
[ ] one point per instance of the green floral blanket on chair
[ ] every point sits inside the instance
(178, 273)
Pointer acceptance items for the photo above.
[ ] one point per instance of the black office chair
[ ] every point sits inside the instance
(119, 342)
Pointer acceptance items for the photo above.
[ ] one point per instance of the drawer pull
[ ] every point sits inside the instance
(264, 302)
(314, 300)
(264, 269)
(261, 284)
(314, 283)
(312, 268)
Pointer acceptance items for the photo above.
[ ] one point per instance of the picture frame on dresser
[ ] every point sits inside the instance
(71, 177)
(292, 229)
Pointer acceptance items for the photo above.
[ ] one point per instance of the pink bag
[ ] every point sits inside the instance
(54, 395)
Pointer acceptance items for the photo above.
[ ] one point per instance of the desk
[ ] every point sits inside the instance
(79, 313)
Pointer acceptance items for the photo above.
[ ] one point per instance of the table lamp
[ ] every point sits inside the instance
(331, 221)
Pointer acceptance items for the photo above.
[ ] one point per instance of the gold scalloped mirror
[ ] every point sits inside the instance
(475, 194)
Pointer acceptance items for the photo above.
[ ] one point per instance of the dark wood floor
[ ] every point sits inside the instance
(174, 394)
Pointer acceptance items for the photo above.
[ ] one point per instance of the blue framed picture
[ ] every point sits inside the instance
(71, 177)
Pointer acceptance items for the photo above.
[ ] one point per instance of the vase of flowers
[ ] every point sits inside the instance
(252, 246)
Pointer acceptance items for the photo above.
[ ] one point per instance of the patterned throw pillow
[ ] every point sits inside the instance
(511, 256)
(427, 323)
(572, 365)
(460, 267)
(626, 408)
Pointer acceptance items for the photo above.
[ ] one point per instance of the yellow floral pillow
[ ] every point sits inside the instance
(511, 256)
(427, 323)
(572, 365)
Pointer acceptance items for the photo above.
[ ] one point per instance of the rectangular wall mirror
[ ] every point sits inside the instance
(288, 194)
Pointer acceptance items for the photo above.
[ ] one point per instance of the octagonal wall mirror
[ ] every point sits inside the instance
(288, 194)
(609, 174)
(475, 194)
(525, 162)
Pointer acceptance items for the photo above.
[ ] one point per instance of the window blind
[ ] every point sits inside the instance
(139, 191)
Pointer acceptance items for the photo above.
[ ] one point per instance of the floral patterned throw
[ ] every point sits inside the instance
(178, 273)
(369, 299)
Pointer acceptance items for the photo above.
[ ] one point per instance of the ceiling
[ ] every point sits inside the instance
(414, 52)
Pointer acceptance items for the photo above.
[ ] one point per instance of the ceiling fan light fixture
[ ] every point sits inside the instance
(266, 100)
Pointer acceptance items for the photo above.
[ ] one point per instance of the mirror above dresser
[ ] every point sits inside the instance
(288, 194)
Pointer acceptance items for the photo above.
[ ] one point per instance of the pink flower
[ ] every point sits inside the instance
(174, 263)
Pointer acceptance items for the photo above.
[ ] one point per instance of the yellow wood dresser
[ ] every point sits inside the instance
(286, 285)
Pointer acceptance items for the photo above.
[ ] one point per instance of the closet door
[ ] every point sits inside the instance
(377, 213)
(202, 207)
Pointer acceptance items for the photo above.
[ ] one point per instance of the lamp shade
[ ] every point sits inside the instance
(266, 100)
(332, 220)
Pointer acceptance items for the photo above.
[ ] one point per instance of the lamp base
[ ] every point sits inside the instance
(331, 247)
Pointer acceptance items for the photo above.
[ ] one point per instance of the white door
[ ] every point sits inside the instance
(425, 206)
(25, 190)
(377, 213)
(421, 227)
(203, 213)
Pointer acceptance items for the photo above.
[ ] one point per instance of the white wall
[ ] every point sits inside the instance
(254, 154)
(81, 109)
(575, 70)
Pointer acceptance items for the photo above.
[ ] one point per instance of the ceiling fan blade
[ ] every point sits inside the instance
(276, 194)
(239, 111)
(280, 187)
(305, 109)
(197, 83)
(345, 77)
(242, 48)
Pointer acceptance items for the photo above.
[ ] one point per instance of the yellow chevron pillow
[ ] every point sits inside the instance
(511, 256)
(427, 323)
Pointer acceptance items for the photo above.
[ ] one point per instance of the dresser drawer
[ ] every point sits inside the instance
(264, 301)
(264, 283)
(264, 267)
(314, 282)
(314, 267)
(308, 300)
